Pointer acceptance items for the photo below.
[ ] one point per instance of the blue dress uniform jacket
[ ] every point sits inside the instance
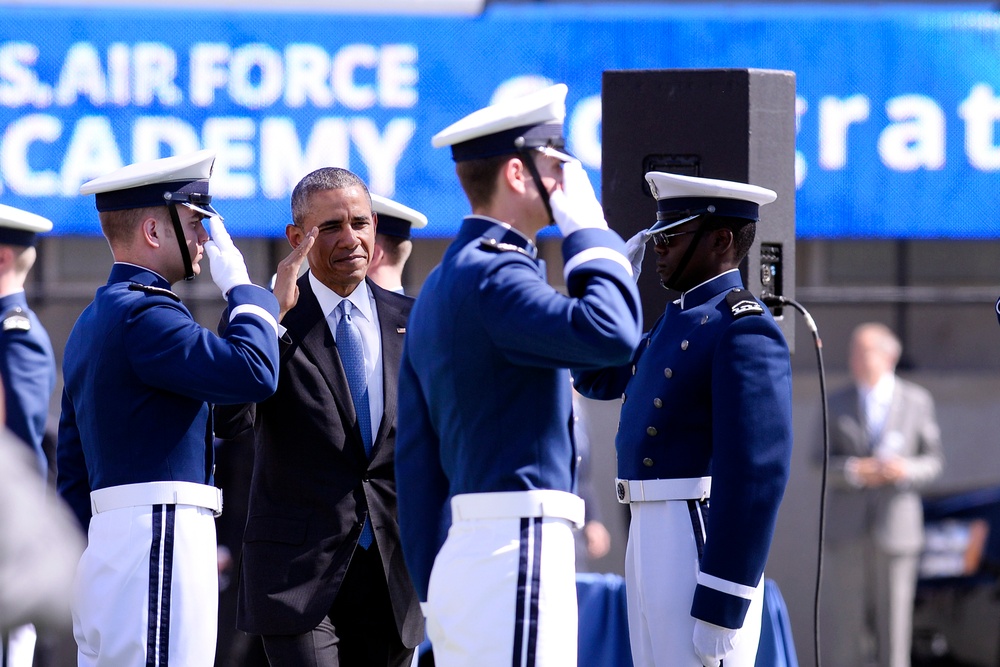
(484, 397)
(139, 376)
(709, 393)
(28, 369)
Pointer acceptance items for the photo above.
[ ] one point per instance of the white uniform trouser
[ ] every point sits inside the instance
(147, 589)
(18, 648)
(661, 569)
(503, 588)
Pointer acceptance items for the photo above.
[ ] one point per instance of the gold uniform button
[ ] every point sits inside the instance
(651, 430)
(668, 373)
(647, 462)
(657, 403)
(684, 345)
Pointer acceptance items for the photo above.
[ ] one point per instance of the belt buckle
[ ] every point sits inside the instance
(622, 489)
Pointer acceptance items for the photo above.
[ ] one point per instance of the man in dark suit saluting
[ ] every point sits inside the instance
(322, 578)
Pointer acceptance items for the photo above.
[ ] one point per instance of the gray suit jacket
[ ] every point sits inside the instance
(892, 516)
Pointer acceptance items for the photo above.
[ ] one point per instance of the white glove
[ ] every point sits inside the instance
(228, 267)
(712, 643)
(575, 206)
(635, 250)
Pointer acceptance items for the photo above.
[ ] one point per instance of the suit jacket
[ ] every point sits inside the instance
(892, 515)
(312, 484)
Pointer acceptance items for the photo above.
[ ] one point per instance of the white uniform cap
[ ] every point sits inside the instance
(395, 219)
(19, 227)
(531, 121)
(682, 198)
(181, 179)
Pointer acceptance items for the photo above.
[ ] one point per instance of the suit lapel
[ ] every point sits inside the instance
(308, 327)
(392, 325)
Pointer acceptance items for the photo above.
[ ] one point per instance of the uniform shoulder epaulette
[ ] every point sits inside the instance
(492, 245)
(16, 319)
(742, 303)
(158, 291)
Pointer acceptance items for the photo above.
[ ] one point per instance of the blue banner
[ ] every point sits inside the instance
(898, 109)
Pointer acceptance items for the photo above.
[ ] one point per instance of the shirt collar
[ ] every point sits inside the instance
(126, 271)
(882, 391)
(502, 232)
(329, 300)
(701, 293)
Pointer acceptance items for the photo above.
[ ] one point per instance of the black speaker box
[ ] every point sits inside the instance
(732, 124)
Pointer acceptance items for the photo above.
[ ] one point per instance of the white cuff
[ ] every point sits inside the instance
(590, 254)
(728, 587)
(253, 309)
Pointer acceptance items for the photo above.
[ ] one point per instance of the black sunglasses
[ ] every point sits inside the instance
(662, 239)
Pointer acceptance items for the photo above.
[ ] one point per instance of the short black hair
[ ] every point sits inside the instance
(321, 180)
(744, 231)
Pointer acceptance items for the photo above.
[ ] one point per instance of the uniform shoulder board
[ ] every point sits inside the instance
(742, 303)
(492, 245)
(149, 289)
(16, 319)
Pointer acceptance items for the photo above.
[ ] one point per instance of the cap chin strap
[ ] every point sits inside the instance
(181, 241)
(529, 162)
(686, 257)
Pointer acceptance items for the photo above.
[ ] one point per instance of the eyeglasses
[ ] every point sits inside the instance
(662, 239)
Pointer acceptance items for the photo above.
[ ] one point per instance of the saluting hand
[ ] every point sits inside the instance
(285, 288)
(225, 260)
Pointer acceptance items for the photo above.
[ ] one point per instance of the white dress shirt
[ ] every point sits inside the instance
(365, 316)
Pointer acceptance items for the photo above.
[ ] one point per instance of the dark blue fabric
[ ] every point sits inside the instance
(603, 639)
(777, 647)
(28, 369)
(140, 375)
(484, 394)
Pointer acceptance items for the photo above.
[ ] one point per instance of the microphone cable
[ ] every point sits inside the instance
(772, 300)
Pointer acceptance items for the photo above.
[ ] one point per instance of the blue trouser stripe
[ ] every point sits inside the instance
(161, 549)
(536, 580)
(522, 582)
(526, 611)
(698, 510)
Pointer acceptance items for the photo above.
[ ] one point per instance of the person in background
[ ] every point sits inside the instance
(885, 445)
(27, 369)
(135, 447)
(392, 242)
(40, 544)
(706, 414)
(322, 579)
(485, 434)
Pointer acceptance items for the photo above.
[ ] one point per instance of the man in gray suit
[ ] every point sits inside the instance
(885, 445)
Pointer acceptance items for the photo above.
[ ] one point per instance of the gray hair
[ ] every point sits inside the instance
(326, 178)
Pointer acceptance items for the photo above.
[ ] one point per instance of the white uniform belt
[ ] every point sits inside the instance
(645, 490)
(518, 504)
(156, 493)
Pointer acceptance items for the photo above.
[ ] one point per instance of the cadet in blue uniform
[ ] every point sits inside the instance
(706, 412)
(27, 363)
(484, 394)
(27, 368)
(392, 242)
(135, 454)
